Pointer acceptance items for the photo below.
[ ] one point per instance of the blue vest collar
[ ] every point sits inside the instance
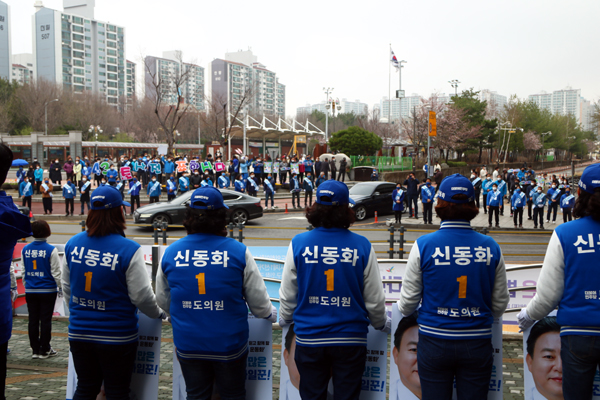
(461, 224)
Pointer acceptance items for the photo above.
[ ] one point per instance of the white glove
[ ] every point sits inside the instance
(387, 327)
(14, 294)
(283, 323)
(525, 322)
(273, 317)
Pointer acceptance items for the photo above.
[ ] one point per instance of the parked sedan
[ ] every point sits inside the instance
(371, 197)
(242, 208)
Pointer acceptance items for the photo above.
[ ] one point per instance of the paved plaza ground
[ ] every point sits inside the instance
(47, 379)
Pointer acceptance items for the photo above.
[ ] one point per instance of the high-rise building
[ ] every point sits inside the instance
(240, 73)
(562, 102)
(347, 107)
(498, 100)
(5, 47)
(22, 74)
(171, 71)
(408, 104)
(79, 52)
(131, 89)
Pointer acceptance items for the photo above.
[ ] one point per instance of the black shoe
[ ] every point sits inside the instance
(490, 226)
(497, 226)
(541, 226)
(49, 353)
(529, 219)
(535, 227)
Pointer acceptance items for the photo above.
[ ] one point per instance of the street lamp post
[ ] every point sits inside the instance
(199, 141)
(327, 92)
(46, 116)
(454, 83)
(95, 130)
(543, 149)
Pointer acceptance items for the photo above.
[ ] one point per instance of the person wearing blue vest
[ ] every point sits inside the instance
(321, 179)
(539, 201)
(459, 278)
(503, 189)
(553, 196)
(331, 290)
(134, 191)
(21, 174)
(398, 202)
(308, 187)
(184, 183)
(26, 191)
(477, 183)
(105, 282)
(13, 226)
(518, 201)
(69, 191)
(567, 202)
(295, 189)
(41, 277)
(252, 185)
(494, 200)
(171, 188)
(569, 278)
(486, 186)
(206, 181)
(224, 181)
(258, 170)
(427, 194)
(153, 190)
(207, 279)
(85, 187)
(308, 167)
(240, 185)
(269, 190)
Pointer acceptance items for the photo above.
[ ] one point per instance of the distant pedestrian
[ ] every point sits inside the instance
(342, 173)
(308, 187)
(47, 196)
(69, 192)
(56, 173)
(85, 187)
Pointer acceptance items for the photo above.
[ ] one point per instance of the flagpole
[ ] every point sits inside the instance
(390, 85)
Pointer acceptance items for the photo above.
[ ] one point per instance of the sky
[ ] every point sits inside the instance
(516, 47)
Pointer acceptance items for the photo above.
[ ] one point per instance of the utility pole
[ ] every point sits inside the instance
(327, 93)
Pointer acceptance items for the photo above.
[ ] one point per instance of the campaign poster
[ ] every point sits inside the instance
(295, 168)
(194, 165)
(206, 166)
(144, 380)
(181, 166)
(276, 167)
(405, 383)
(373, 382)
(125, 173)
(259, 367)
(220, 167)
(268, 167)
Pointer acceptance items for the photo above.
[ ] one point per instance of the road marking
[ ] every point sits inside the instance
(281, 219)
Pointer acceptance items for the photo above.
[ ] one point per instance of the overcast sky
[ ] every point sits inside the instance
(509, 46)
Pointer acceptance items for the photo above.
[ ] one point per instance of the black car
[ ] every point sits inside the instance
(242, 208)
(373, 196)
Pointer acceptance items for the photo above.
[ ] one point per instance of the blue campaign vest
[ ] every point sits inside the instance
(494, 199)
(134, 188)
(579, 308)
(154, 189)
(239, 185)
(38, 272)
(208, 310)
(567, 201)
(331, 310)
(487, 186)
(183, 184)
(459, 269)
(398, 195)
(101, 310)
(426, 193)
(519, 199)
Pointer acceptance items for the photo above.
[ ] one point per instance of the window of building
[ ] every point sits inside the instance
(78, 46)
(78, 71)
(111, 36)
(112, 68)
(78, 37)
(77, 20)
(112, 84)
(112, 76)
(78, 63)
(111, 60)
(77, 28)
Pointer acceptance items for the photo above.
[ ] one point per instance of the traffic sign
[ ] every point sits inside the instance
(400, 94)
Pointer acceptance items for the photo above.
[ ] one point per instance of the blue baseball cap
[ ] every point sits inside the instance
(336, 192)
(207, 198)
(109, 196)
(590, 178)
(456, 184)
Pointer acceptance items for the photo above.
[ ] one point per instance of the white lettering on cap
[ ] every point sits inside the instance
(201, 197)
(441, 194)
(327, 192)
(595, 182)
(98, 197)
(459, 188)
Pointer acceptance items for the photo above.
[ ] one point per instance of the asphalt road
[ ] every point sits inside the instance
(518, 247)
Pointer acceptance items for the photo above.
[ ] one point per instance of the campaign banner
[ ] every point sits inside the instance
(295, 168)
(206, 166)
(155, 168)
(194, 165)
(220, 167)
(104, 167)
(259, 367)
(182, 166)
(276, 167)
(405, 383)
(125, 173)
(373, 382)
(144, 380)
(268, 167)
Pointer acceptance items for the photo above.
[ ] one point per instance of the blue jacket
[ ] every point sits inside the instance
(87, 171)
(427, 193)
(224, 181)
(553, 194)
(567, 200)
(487, 186)
(240, 186)
(251, 185)
(320, 180)
(169, 166)
(502, 186)
(308, 166)
(307, 185)
(134, 187)
(258, 167)
(153, 189)
(37, 267)
(269, 186)
(69, 194)
(539, 200)
(13, 226)
(24, 190)
(21, 174)
(39, 174)
(112, 175)
(518, 199)
(494, 199)
(184, 184)
(398, 196)
(171, 186)
(459, 268)
(295, 184)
